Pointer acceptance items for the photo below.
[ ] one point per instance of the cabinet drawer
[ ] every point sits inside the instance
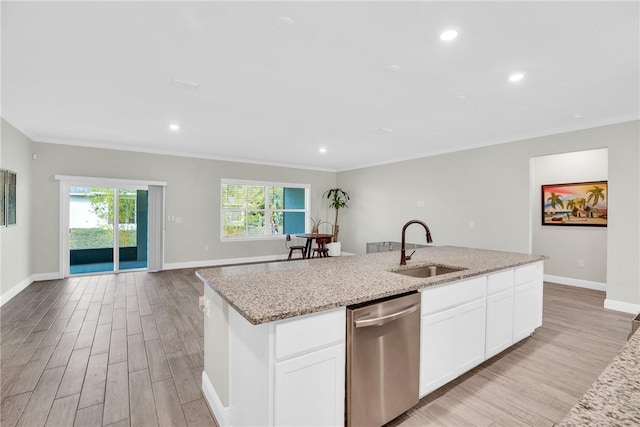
(308, 332)
(453, 294)
(500, 281)
(527, 273)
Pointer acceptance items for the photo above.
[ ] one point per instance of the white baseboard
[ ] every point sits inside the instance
(45, 276)
(625, 307)
(598, 286)
(223, 261)
(15, 290)
(221, 413)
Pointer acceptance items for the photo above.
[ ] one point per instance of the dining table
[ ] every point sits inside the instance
(310, 238)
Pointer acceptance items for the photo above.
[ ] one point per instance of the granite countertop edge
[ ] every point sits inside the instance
(614, 398)
(235, 285)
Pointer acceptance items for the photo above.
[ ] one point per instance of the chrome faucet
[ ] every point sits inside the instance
(403, 256)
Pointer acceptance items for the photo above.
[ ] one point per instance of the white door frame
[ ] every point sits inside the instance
(66, 182)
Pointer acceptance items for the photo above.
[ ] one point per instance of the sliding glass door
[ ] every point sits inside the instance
(100, 240)
(132, 228)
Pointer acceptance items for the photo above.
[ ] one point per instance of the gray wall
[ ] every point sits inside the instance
(16, 240)
(566, 245)
(192, 194)
(477, 198)
(488, 189)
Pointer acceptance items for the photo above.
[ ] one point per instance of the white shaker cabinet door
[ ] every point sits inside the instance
(437, 348)
(526, 309)
(470, 335)
(527, 304)
(309, 389)
(499, 322)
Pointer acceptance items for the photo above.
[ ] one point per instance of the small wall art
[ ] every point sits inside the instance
(10, 197)
(3, 205)
(575, 204)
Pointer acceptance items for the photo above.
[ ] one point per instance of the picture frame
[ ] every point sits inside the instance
(583, 204)
(3, 206)
(10, 198)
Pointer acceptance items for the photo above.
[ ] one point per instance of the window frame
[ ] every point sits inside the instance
(267, 210)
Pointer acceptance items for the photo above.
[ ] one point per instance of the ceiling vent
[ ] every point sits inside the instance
(383, 131)
(185, 84)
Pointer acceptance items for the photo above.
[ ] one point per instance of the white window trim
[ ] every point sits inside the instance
(306, 210)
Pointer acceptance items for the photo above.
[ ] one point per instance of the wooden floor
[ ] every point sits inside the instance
(127, 349)
(118, 350)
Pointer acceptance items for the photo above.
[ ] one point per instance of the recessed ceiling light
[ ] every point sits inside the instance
(461, 97)
(284, 22)
(449, 34)
(174, 127)
(393, 67)
(322, 150)
(576, 115)
(516, 77)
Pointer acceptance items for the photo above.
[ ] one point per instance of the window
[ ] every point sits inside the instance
(262, 209)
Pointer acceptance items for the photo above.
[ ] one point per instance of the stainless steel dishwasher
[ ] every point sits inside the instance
(383, 359)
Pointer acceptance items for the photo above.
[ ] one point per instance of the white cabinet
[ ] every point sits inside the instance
(465, 323)
(437, 364)
(307, 389)
(470, 335)
(499, 312)
(452, 331)
(527, 304)
(289, 372)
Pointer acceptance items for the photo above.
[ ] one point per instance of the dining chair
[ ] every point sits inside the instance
(321, 250)
(294, 248)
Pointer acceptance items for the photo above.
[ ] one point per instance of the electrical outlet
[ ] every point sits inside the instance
(206, 247)
(203, 305)
(581, 263)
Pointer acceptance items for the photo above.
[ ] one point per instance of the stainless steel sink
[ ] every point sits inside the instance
(427, 270)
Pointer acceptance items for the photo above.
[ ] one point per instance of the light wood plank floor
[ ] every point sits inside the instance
(127, 349)
(120, 349)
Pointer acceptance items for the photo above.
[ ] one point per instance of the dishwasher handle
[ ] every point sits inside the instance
(383, 320)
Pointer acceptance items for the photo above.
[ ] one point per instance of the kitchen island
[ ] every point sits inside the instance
(275, 332)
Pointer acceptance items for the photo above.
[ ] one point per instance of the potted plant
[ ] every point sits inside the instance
(316, 223)
(338, 199)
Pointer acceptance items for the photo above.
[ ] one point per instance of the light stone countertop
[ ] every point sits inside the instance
(279, 290)
(614, 399)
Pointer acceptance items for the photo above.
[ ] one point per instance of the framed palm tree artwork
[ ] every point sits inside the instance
(578, 203)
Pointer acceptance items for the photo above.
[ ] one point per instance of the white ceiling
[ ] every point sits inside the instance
(101, 73)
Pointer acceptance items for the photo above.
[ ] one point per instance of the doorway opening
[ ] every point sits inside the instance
(577, 254)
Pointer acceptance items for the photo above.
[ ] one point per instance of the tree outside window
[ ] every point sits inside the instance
(262, 209)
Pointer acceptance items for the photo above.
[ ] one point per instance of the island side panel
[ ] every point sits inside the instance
(216, 355)
(251, 368)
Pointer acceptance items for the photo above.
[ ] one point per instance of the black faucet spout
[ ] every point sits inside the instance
(403, 254)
